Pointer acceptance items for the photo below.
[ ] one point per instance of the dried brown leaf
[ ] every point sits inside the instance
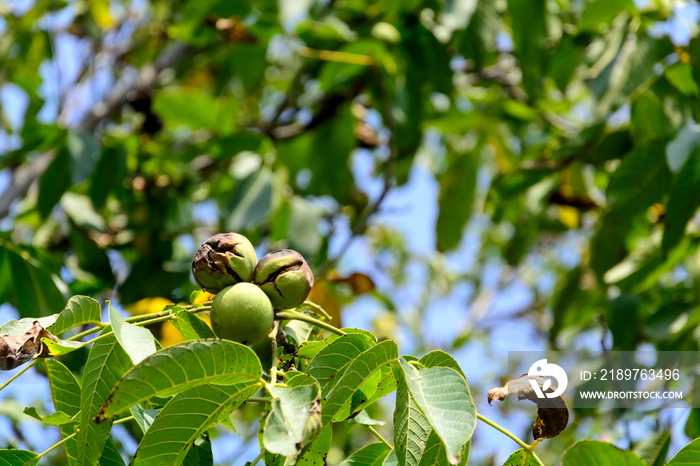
(552, 413)
(16, 350)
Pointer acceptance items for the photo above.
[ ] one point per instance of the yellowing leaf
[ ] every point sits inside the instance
(147, 306)
(569, 217)
(100, 12)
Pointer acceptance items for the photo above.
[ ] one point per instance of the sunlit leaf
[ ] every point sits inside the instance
(295, 416)
(185, 417)
(442, 395)
(373, 454)
(602, 454)
(106, 362)
(689, 454)
(137, 341)
(65, 391)
(79, 310)
(520, 458)
(181, 367)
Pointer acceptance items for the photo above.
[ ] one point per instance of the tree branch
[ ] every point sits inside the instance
(25, 175)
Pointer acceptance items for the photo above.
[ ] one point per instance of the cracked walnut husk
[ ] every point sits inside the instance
(224, 260)
(285, 277)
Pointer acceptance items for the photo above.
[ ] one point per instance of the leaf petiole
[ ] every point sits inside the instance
(294, 315)
(530, 449)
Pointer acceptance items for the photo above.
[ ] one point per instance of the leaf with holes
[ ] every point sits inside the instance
(295, 416)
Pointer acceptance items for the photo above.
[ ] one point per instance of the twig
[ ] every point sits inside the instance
(318, 309)
(528, 448)
(26, 368)
(294, 315)
(379, 436)
(36, 459)
(389, 168)
(24, 176)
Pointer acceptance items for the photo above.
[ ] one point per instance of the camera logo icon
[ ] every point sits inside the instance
(541, 369)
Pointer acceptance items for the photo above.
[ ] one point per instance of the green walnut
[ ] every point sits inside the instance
(242, 313)
(285, 277)
(224, 260)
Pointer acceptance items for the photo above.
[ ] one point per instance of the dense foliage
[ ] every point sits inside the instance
(476, 175)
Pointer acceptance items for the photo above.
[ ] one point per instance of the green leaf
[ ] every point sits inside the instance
(181, 367)
(186, 417)
(190, 325)
(529, 24)
(372, 390)
(653, 450)
(373, 454)
(681, 147)
(302, 230)
(520, 458)
(415, 441)
(143, 417)
(252, 201)
(391, 459)
(683, 201)
(65, 391)
(442, 395)
(110, 455)
(602, 12)
(200, 454)
(185, 107)
(642, 179)
(80, 209)
(329, 365)
(316, 452)
(79, 310)
(329, 157)
(54, 182)
(411, 428)
(106, 362)
(363, 418)
(137, 341)
(108, 174)
(337, 406)
(84, 151)
(20, 327)
(36, 291)
(59, 418)
(681, 76)
(649, 121)
(438, 358)
(621, 318)
(16, 457)
(594, 453)
(295, 416)
(436, 455)
(310, 349)
(689, 454)
(692, 425)
(456, 201)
